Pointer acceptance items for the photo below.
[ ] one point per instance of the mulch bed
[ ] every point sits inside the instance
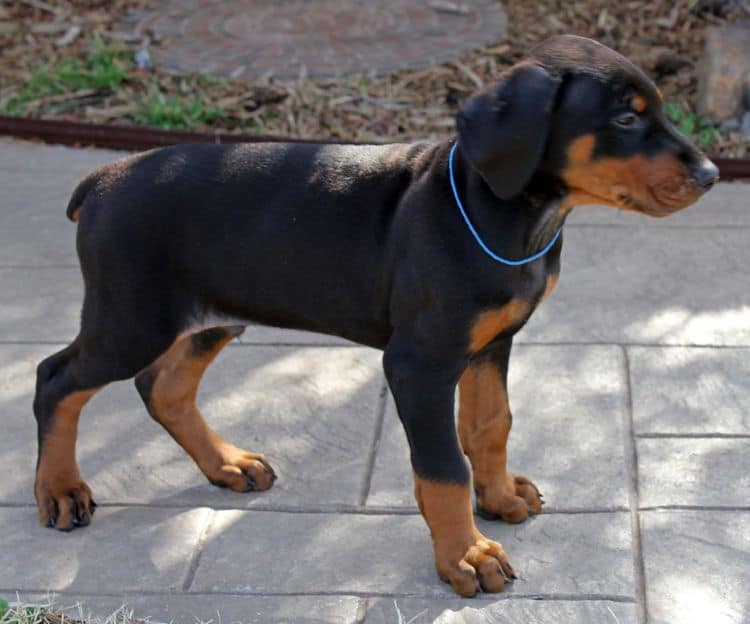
(665, 38)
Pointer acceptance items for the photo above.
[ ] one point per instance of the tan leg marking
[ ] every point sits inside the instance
(174, 378)
(63, 499)
(484, 422)
(490, 323)
(463, 556)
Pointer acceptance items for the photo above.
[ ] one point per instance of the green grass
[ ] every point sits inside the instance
(105, 69)
(172, 111)
(704, 132)
(109, 69)
(18, 613)
(31, 615)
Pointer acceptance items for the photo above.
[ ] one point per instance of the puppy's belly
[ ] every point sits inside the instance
(200, 322)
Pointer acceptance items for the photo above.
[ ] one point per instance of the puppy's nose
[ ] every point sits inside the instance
(705, 175)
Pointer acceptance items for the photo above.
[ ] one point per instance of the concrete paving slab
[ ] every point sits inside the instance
(40, 304)
(697, 566)
(392, 482)
(26, 157)
(568, 407)
(36, 240)
(586, 555)
(124, 549)
(311, 410)
(17, 380)
(39, 192)
(506, 611)
(181, 608)
(694, 471)
(724, 206)
(648, 286)
(259, 334)
(34, 230)
(690, 391)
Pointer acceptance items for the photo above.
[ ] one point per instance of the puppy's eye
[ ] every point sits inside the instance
(626, 120)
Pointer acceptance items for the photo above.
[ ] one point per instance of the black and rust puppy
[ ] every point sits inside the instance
(179, 245)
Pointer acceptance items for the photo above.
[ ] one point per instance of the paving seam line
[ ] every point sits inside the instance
(195, 557)
(631, 460)
(375, 443)
(351, 511)
(483, 597)
(518, 343)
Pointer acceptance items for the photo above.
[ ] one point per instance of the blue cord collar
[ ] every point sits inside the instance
(479, 240)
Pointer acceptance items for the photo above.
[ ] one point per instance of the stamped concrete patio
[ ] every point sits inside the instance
(630, 392)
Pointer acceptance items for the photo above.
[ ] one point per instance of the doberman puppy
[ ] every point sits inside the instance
(366, 242)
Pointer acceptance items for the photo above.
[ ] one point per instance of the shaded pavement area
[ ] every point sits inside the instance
(630, 394)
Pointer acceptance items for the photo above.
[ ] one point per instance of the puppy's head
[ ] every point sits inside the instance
(582, 113)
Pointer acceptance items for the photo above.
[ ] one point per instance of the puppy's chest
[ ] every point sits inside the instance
(506, 318)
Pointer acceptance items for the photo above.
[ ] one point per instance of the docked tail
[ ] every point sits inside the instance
(74, 205)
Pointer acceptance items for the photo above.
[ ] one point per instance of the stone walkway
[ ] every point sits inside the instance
(322, 38)
(630, 393)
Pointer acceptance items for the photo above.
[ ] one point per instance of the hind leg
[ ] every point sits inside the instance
(169, 387)
(65, 383)
(63, 387)
(63, 499)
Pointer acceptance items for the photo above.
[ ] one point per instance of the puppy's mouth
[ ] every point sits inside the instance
(660, 200)
(626, 201)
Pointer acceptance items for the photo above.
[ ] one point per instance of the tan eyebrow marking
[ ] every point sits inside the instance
(638, 103)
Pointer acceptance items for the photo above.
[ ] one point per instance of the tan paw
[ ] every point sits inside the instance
(513, 503)
(64, 507)
(484, 567)
(243, 471)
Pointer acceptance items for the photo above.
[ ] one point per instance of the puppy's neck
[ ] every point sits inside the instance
(545, 200)
(516, 227)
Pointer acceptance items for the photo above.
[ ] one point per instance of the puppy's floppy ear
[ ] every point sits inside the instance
(502, 130)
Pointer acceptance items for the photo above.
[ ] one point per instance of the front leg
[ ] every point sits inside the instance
(484, 422)
(423, 388)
